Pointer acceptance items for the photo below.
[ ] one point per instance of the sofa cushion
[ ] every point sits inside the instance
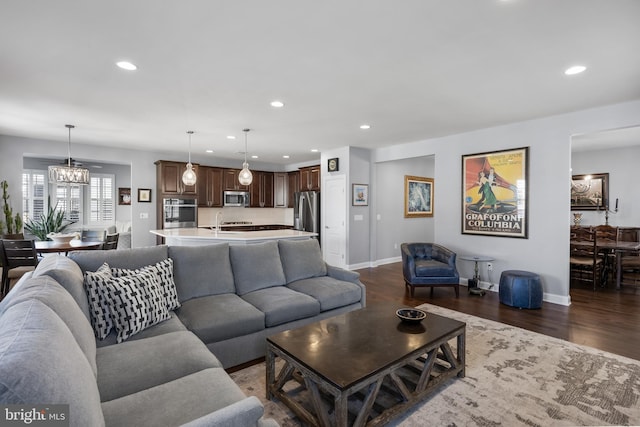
(137, 365)
(54, 296)
(68, 274)
(301, 259)
(95, 283)
(213, 275)
(256, 266)
(281, 305)
(219, 317)
(433, 268)
(135, 303)
(164, 271)
(41, 362)
(172, 324)
(183, 400)
(125, 258)
(330, 292)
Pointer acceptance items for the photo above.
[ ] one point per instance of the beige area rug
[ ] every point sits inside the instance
(514, 377)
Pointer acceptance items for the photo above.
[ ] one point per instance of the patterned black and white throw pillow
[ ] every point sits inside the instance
(136, 302)
(94, 284)
(164, 271)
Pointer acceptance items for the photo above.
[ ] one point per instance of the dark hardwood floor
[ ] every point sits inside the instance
(606, 319)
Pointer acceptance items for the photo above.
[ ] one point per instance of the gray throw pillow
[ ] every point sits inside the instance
(301, 259)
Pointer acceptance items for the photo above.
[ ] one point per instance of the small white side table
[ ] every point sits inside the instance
(476, 276)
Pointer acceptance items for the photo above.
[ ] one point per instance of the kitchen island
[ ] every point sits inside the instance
(205, 236)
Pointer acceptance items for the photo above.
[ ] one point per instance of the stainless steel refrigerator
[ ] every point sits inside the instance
(306, 212)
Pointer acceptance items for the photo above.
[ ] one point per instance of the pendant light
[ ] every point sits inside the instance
(67, 174)
(189, 175)
(245, 176)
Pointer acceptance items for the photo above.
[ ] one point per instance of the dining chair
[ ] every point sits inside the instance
(630, 261)
(584, 261)
(607, 234)
(93, 235)
(14, 254)
(111, 241)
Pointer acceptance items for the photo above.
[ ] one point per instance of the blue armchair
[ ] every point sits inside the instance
(429, 264)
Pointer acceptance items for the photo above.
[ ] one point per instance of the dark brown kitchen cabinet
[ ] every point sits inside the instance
(310, 178)
(169, 179)
(262, 190)
(231, 182)
(280, 194)
(210, 186)
(294, 187)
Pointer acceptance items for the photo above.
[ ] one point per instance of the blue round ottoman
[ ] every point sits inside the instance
(520, 289)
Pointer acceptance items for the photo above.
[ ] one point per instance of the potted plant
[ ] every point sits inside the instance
(11, 227)
(50, 222)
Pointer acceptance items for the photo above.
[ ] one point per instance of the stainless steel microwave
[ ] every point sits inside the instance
(236, 198)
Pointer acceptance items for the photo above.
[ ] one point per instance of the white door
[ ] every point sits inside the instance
(334, 231)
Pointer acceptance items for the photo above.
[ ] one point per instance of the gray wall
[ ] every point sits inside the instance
(546, 251)
(622, 166)
(393, 228)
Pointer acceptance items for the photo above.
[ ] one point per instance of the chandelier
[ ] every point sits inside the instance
(68, 174)
(245, 177)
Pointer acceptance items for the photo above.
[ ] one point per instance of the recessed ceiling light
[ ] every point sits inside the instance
(277, 104)
(231, 137)
(286, 156)
(576, 69)
(365, 127)
(209, 151)
(254, 157)
(126, 65)
(314, 150)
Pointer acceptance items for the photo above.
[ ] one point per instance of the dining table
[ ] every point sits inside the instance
(49, 246)
(619, 248)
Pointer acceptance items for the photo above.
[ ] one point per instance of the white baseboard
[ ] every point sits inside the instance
(375, 263)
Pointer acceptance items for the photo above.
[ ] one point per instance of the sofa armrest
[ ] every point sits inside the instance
(246, 412)
(408, 262)
(348, 276)
(343, 274)
(445, 255)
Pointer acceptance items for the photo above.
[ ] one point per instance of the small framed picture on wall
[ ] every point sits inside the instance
(144, 195)
(360, 195)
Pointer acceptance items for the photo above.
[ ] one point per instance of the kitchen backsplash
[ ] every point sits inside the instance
(207, 216)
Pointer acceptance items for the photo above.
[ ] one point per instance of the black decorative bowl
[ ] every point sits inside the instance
(411, 315)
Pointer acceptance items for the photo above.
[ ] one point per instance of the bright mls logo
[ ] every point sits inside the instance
(34, 415)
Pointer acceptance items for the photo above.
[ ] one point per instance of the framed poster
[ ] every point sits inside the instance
(144, 195)
(589, 192)
(124, 196)
(360, 195)
(495, 193)
(418, 196)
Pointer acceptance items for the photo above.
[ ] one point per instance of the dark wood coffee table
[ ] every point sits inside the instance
(363, 367)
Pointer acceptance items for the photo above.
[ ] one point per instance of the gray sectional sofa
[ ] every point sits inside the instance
(171, 373)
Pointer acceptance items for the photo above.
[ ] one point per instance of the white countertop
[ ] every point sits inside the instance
(185, 236)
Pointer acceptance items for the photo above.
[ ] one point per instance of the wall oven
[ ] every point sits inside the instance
(236, 198)
(180, 213)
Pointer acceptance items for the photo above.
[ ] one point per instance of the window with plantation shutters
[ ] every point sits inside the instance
(35, 189)
(68, 198)
(101, 199)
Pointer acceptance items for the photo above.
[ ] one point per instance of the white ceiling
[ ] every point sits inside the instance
(413, 69)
